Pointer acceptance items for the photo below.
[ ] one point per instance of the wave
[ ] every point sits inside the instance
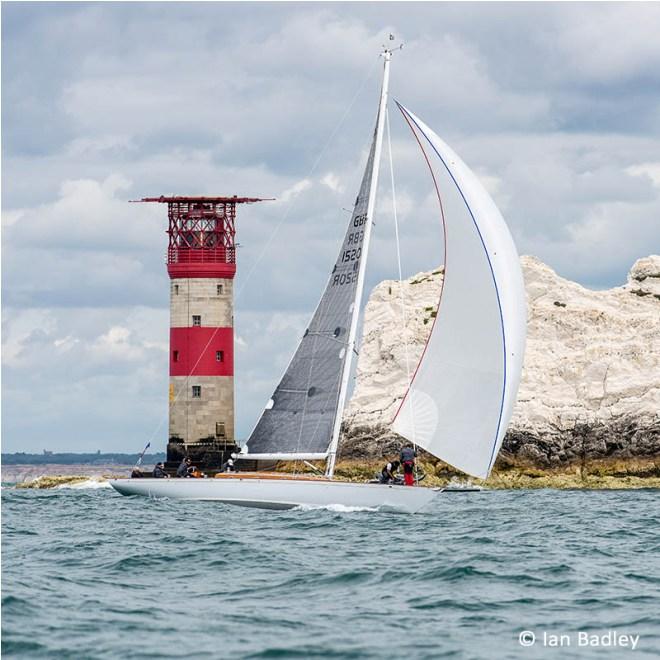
(87, 574)
(89, 484)
(59, 481)
(336, 508)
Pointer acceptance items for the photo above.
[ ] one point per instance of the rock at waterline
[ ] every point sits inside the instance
(65, 481)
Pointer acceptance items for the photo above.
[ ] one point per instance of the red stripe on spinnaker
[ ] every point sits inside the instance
(444, 277)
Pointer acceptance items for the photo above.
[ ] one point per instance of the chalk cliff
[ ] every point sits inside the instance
(591, 377)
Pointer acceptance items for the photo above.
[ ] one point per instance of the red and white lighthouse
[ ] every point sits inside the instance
(201, 263)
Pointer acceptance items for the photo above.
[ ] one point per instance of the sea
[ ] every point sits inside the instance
(87, 573)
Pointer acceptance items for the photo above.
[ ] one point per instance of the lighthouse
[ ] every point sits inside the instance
(201, 264)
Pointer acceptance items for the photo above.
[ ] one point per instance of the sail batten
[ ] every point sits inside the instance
(462, 395)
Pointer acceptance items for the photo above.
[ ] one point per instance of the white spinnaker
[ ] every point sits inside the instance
(462, 395)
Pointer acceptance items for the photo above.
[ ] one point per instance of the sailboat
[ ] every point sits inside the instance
(461, 395)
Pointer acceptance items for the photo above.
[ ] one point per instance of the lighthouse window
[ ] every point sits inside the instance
(176, 289)
(197, 391)
(175, 356)
(197, 320)
(219, 356)
(219, 289)
(220, 429)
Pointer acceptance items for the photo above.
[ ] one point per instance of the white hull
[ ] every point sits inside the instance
(282, 493)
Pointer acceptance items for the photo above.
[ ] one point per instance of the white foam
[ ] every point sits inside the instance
(88, 484)
(337, 508)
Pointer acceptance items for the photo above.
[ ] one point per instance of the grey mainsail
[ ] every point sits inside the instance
(300, 416)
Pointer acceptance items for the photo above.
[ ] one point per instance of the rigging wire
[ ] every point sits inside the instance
(266, 246)
(404, 315)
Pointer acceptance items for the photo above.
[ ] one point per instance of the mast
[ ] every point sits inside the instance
(350, 347)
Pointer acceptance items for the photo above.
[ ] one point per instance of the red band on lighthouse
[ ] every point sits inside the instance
(201, 351)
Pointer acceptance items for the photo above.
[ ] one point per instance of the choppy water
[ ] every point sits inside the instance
(91, 574)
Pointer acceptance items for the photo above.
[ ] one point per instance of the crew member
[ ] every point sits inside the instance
(159, 472)
(185, 469)
(229, 465)
(407, 456)
(387, 474)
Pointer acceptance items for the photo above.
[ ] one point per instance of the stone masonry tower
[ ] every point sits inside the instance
(201, 263)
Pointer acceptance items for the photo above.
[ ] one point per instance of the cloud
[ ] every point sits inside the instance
(650, 170)
(86, 379)
(600, 46)
(88, 215)
(99, 146)
(295, 190)
(553, 105)
(88, 246)
(333, 182)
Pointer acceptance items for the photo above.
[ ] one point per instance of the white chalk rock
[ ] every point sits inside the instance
(592, 358)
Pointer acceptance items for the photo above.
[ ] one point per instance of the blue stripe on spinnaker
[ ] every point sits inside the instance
(492, 272)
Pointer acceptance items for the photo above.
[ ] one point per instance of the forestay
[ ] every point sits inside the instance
(300, 415)
(461, 398)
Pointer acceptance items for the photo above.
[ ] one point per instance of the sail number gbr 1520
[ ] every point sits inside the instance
(351, 255)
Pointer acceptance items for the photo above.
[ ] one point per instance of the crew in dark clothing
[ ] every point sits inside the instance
(407, 456)
(185, 469)
(159, 472)
(388, 473)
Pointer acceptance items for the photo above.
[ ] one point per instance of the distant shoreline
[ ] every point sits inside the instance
(78, 458)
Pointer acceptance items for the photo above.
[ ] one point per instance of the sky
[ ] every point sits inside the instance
(555, 106)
